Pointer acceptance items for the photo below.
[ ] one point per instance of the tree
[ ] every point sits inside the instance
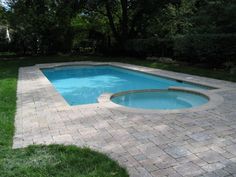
(91, 31)
(176, 19)
(215, 16)
(127, 19)
(3, 15)
(42, 26)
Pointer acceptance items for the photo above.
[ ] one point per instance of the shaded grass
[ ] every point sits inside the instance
(211, 73)
(42, 161)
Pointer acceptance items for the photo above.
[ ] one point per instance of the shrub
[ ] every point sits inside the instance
(212, 49)
(150, 47)
(4, 45)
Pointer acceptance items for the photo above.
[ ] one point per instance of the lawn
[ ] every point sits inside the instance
(58, 160)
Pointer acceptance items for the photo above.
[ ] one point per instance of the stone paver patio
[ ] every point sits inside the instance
(197, 143)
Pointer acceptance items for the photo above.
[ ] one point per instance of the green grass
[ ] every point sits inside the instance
(8, 79)
(42, 161)
(58, 160)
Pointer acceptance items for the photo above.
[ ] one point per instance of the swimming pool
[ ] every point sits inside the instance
(84, 84)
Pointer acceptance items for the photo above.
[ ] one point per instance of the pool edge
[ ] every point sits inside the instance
(214, 101)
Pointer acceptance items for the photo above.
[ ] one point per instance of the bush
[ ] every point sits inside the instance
(4, 45)
(212, 49)
(150, 47)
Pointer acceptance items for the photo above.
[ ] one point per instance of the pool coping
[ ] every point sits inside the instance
(216, 100)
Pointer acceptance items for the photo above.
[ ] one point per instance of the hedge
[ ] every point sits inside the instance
(211, 49)
(4, 45)
(215, 49)
(150, 47)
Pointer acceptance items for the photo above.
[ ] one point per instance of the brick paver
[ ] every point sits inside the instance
(201, 143)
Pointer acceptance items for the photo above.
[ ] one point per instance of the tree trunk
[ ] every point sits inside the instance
(124, 24)
(111, 22)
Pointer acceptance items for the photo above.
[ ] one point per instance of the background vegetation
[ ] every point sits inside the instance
(194, 31)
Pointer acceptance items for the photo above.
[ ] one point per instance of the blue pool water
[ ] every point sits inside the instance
(160, 100)
(84, 84)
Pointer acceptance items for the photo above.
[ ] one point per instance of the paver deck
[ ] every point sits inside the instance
(201, 143)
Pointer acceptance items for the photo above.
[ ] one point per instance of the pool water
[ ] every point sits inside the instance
(164, 100)
(84, 84)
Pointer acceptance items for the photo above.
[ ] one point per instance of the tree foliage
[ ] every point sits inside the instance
(42, 26)
(3, 15)
(215, 16)
(127, 19)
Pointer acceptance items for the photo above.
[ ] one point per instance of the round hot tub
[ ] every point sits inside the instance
(159, 99)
